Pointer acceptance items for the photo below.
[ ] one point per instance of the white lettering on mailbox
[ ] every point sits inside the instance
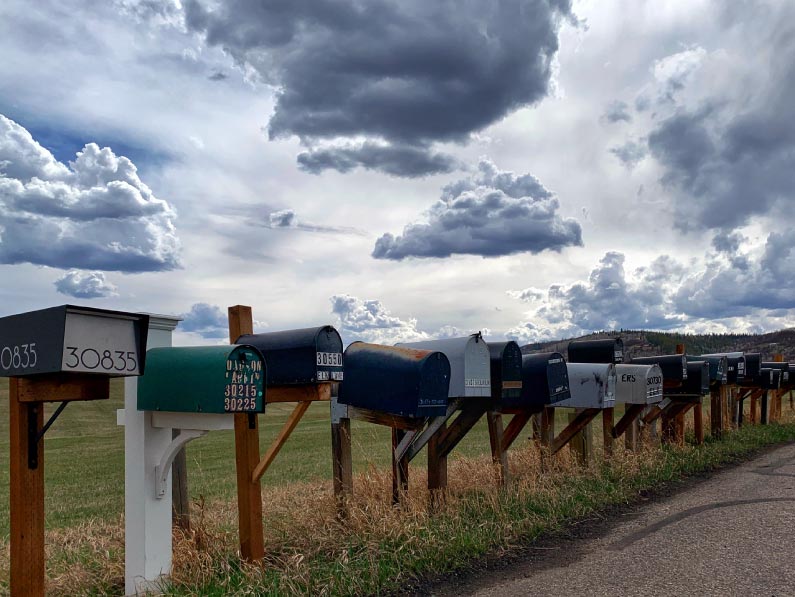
(18, 357)
(329, 359)
(477, 383)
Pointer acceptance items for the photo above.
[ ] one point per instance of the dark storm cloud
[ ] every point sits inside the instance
(84, 285)
(617, 111)
(397, 160)
(94, 214)
(406, 73)
(630, 153)
(730, 157)
(490, 214)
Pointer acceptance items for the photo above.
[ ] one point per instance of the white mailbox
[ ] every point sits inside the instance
(639, 384)
(470, 364)
(592, 385)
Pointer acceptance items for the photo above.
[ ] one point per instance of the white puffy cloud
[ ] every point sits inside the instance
(85, 285)
(95, 213)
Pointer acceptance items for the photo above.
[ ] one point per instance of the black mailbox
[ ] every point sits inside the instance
(297, 357)
(401, 381)
(753, 366)
(506, 370)
(674, 368)
(718, 368)
(735, 365)
(608, 350)
(73, 339)
(697, 382)
(783, 367)
(769, 379)
(545, 381)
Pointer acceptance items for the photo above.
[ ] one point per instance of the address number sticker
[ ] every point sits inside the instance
(95, 344)
(329, 359)
(23, 356)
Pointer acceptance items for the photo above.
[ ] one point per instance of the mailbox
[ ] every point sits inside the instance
(70, 339)
(592, 385)
(674, 368)
(203, 379)
(697, 383)
(770, 379)
(735, 365)
(610, 350)
(545, 382)
(639, 384)
(506, 370)
(718, 367)
(470, 364)
(753, 365)
(396, 379)
(296, 357)
(783, 367)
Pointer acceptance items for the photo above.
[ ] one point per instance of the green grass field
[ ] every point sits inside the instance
(84, 457)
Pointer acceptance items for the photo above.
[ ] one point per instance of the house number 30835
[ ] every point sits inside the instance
(108, 360)
(18, 357)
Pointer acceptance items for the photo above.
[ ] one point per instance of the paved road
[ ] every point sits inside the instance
(733, 534)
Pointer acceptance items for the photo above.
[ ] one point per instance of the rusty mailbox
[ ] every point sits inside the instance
(300, 357)
(592, 385)
(606, 350)
(470, 364)
(506, 371)
(639, 384)
(397, 380)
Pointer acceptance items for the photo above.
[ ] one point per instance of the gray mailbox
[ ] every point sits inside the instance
(470, 364)
(299, 357)
(396, 380)
(70, 339)
(639, 384)
(592, 385)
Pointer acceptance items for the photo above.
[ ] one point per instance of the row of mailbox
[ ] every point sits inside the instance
(414, 379)
(420, 379)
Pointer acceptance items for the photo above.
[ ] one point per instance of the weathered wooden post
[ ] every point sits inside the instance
(62, 354)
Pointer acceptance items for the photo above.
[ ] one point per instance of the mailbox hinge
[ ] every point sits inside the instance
(34, 434)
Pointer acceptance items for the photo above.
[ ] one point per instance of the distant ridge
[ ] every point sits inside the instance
(639, 343)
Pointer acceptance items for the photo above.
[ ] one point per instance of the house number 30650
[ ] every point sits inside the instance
(19, 357)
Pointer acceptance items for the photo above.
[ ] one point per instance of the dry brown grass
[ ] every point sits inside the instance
(310, 549)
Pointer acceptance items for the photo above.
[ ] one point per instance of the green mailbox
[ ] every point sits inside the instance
(203, 379)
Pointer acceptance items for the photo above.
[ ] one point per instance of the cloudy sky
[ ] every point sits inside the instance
(402, 169)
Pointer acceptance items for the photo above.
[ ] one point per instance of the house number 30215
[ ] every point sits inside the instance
(18, 357)
(107, 360)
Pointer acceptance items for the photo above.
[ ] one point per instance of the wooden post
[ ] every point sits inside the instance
(249, 492)
(400, 470)
(752, 413)
(698, 423)
(716, 399)
(607, 431)
(342, 462)
(582, 442)
(631, 436)
(547, 427)
(498, 454)
(27, 497)
(679, 418)
(437, 469)
(763, 415)
(180, 498)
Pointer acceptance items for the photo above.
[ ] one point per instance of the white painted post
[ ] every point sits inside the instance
(147, 548)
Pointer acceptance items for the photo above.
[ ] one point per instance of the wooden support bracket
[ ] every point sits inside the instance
(276, 446)
(632, 412)
(514, 428)
(578, 424)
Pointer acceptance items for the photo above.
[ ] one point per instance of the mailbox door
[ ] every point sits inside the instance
(204, 379)
(639, 384)
(396, 380)
(592, 385)
(545, 381)
(299, 357)
(506, 370)
(753, 364)
(470, 363)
